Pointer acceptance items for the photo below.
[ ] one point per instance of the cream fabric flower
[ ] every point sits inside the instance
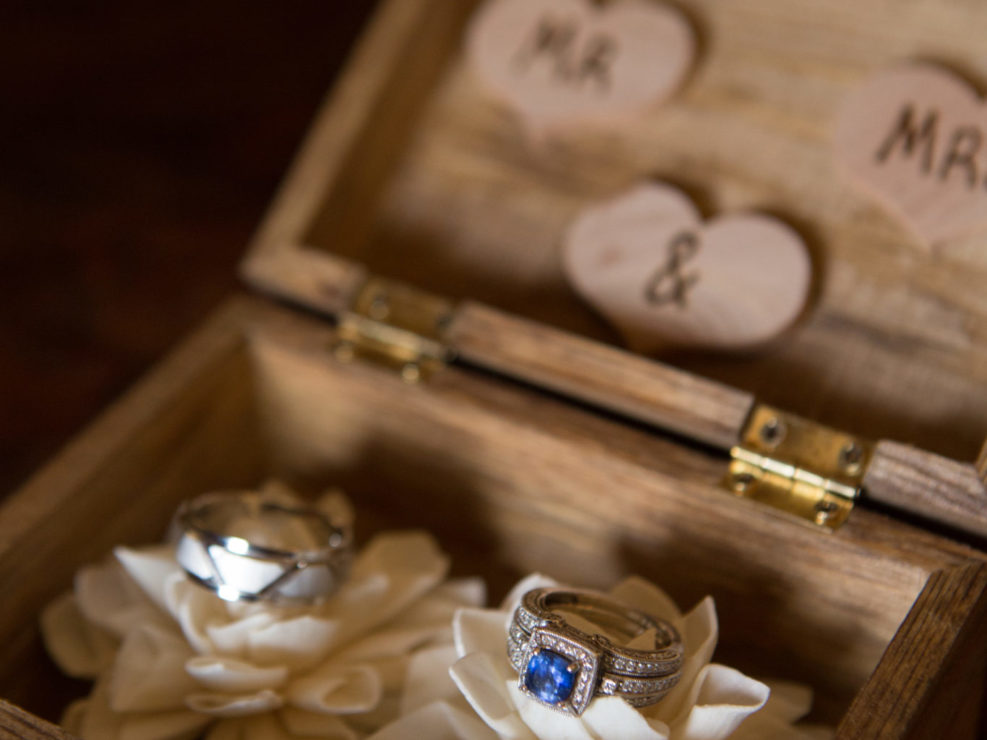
(171, 661)
(468, 691)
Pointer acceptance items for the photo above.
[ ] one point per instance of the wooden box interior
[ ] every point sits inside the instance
(510, 480)
(415, 172)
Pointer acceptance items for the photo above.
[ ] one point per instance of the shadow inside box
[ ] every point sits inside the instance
(395, 485)
(42, 688)
(761, 630)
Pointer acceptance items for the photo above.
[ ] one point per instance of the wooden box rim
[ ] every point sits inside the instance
(951, 605)
(281, 262)
(935, 658)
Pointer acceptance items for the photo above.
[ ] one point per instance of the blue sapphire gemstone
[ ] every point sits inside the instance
(548, 677)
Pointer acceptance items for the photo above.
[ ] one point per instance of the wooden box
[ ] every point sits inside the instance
(530, 442)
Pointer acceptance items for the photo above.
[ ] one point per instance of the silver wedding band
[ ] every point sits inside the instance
(245, 546)
(564, 667)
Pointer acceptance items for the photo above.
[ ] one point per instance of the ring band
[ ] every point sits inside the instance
(245, 546)
(564, 667)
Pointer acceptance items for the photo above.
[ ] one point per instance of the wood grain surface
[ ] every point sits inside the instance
(190, 422)
(912, 136)
(451, 197)
(945, 620)
(508, 478)
(418, 175)
(617, 380)
(439, 187)
(563, 63)
(928, 486)
(16, 724)
(664, 277)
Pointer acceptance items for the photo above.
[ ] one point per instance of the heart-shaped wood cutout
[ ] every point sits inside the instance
(916, 136)
(564, 62)
(661, 276)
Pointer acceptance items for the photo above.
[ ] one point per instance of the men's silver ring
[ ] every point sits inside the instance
(564, 667)
(245, 546)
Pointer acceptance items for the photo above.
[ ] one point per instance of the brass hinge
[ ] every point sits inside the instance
(798, 466)
(397, 326)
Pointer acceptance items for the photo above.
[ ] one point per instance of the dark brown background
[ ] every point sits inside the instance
(141, 144)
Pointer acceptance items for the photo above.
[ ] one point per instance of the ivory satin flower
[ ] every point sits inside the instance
(172, 661)
(468, 691)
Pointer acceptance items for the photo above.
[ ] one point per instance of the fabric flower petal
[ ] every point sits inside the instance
(81, 649)
(298, 643)
(710, 702)
(233, 638)
(427, 621)
(177, 725)
(438, 721)
(721, 699)
(427, 678)
(699, 631)
(485, 689)
(335, 505)
(96, 720)
(150, 568)
(149, 672)
(195, 610)
(74, 715)
(394, 642)
(234, 705)
(107, 597)
(407, 564)
(546, 723)
(337, 689)
(261, 727)
(175, 659)
(229, 675)
(481, 631)
(93, 719)
(463, 591)
(302, 724)
(392, 671)
(610, 718)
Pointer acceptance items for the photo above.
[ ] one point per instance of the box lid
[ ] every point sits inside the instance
(411, 172)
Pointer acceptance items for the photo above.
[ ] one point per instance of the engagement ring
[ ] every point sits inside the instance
(564, 667)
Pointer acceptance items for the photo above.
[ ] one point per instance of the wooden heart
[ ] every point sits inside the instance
(916, 136)
(661, 276)
(563, 62)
